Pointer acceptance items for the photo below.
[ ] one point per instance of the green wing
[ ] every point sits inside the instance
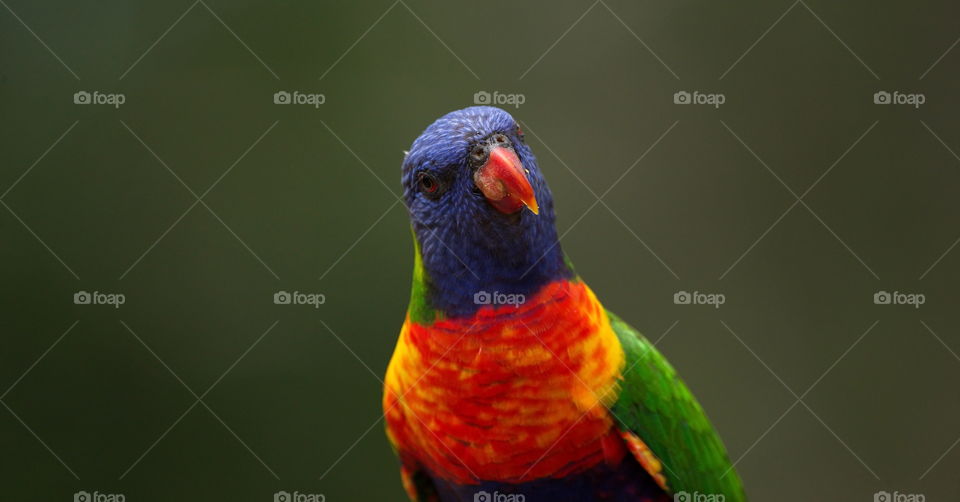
(655, 405)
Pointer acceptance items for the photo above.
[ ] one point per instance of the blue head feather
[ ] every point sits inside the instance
(467, 246)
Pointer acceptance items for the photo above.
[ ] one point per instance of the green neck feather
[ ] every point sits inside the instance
(420, 310)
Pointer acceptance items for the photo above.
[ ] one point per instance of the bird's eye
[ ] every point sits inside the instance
(520, 134)
(428, 183)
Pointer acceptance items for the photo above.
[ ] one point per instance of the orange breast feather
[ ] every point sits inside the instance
(513, 393)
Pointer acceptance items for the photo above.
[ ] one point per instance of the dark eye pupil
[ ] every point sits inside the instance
(428, 183)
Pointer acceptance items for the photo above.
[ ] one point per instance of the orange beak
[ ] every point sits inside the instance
(504, 182)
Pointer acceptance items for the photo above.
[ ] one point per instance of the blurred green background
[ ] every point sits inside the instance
(303, 198)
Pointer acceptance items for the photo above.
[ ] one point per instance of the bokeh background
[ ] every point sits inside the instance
(199, 387)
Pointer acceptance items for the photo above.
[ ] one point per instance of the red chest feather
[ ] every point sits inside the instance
(512, 394)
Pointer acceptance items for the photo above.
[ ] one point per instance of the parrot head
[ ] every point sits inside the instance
(481, 211)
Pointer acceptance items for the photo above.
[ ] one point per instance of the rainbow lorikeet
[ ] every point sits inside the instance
(510, 381)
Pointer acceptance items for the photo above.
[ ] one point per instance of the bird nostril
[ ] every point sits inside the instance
(477, 153)
(500, 138)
